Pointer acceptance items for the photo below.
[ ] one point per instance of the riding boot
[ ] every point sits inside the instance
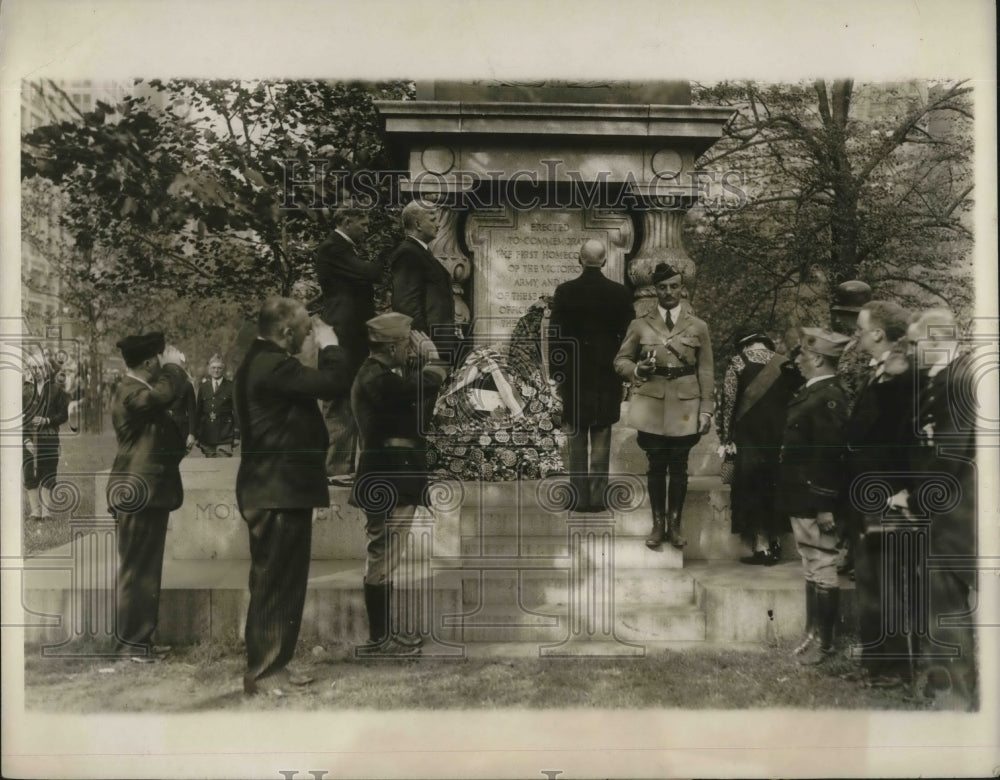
(656, 485)
(377, 607)
(827, 608)
(676, 495)
(810, 635)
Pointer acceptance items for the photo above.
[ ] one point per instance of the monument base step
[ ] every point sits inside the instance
(207, 600)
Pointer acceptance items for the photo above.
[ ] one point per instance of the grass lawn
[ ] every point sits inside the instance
(208, 677)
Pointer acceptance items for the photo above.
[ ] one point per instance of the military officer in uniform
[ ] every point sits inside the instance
(811, 482)
(667, 355)
(388, 402)
(214, 411)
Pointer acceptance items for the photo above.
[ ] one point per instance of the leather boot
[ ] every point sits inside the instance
(657, 535)
(675, 503)
(674, 529)
(827, 608)
(657, 488)
(377, 607)
(810, 635)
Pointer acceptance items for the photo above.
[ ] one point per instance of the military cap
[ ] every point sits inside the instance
(135, 349)
(391, 326)
(823, 341)
(851, 296)
(664, 271)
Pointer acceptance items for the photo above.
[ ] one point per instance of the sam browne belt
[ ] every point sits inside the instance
(674, 372)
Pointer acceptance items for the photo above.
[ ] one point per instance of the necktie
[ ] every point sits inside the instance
(669, 320)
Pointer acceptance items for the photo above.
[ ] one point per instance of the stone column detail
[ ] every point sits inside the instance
(446, 249)
(661, 244)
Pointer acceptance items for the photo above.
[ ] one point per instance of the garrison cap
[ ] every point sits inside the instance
(823, 341)
(135, 349)
(851, 296)
(664, 271)
(392, 326)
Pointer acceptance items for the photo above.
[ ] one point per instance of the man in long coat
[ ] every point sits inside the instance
(591, 313)
(145, 483)
(282, 478)
(348, 302)
(421, 286)
(46, 408)
(667, 355)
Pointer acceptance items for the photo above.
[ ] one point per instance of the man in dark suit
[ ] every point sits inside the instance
(421, 286)
(880, 439)
(282, 478)
(594, 313)
(145, 484)
(811, 481)
(944, 491)
(389, 402)
(667, 355)
(216, 427)
(348, 301)
(46, 408)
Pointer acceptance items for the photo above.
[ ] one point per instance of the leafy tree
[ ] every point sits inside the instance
(841, 181)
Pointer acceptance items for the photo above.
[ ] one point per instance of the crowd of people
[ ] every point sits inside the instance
(860, 405)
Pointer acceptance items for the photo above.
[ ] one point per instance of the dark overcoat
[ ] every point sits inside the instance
(421, 289)
(812, 475)
(348, 285)
(52, 403)
(284, 439)
(184, 411)
(590, 315)
(145, 472)
(944, 461)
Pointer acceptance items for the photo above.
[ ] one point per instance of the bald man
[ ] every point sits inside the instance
(421, 286)
(593, 313)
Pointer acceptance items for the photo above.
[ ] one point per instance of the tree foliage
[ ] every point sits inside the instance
(842, 181)
(184, 185)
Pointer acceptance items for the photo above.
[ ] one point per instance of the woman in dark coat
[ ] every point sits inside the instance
(756, 390)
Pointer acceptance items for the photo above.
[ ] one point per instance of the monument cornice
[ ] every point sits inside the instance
(696, 127)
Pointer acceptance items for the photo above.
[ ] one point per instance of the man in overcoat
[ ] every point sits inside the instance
(214, 412)
(145, 484)
(282, 478)
(592, 313)
(348, 283)
(880, 441)
(944, 492)
(811, 482)
(667, 355)
(389, 403)
(421, 285)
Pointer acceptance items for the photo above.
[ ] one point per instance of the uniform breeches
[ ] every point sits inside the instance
(385, 534)
(667, 454)
(818, 551)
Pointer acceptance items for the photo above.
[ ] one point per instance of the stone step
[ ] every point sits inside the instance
(630, 552)
(663, 587)
(640, 622)
(550, 623)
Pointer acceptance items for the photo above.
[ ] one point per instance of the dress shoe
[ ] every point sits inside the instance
(759, 558)
(816, 654)
(148, 655)
(281, 683)
(388, 648)
(341, 480)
